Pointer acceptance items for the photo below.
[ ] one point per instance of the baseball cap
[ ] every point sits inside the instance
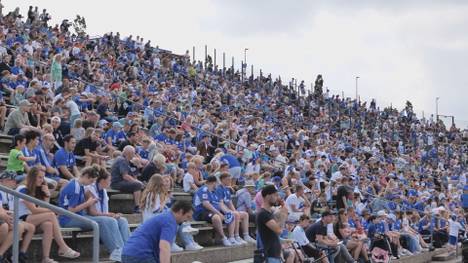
(8, 175)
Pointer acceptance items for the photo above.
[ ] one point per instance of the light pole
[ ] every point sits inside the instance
(245, 55)
(357, 77)
(437, 108)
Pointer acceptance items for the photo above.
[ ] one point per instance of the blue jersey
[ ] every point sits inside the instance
(29, 153)
(231, 160)
(143, 244)
(72, 195)
(201, 195)
(224, 194)
(64, 158)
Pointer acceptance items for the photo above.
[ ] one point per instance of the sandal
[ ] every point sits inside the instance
(48, 260)
(69, 253)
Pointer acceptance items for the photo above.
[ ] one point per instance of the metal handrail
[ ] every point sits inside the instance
(58, 210)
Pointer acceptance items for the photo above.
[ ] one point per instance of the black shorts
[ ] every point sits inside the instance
(23, 217)
(206, 216)
(127, 186)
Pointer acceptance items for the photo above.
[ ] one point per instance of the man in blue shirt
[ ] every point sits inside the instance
(206, 204)
(223, 191)
(151, 241)
(65, 159)
(234, 166)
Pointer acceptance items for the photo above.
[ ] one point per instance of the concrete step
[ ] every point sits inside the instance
(445, 256)
(214, 254)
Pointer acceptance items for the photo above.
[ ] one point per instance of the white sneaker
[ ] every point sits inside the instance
(193, 247)
(234, 242)
(249, 239)
(241, 241)
(197, 245)
(190, 230)
(227, 243)
(116, 255)
(176, 248)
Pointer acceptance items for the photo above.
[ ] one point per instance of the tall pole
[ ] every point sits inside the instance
(224, 63)
(214, 65)
(242, 71)
(251, 70)
(193, 54)
(437, 109)
(357, 77)
(232, 67)
(206, 53)
(245, 55)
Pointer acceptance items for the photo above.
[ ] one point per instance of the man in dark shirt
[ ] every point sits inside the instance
(86, 149)
(131, 140)
(317, 233)
(268, 228)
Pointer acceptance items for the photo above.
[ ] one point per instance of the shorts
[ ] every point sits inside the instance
(453, 240)
(23, 217)
(127, 187)
(273, 260)
(311, 252)
(205, 216)
(235, 172)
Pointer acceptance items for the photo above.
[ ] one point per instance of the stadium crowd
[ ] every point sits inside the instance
(320, 175)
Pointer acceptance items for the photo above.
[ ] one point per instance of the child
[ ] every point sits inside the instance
(18, 95)
(78, 131)
(16, 159)
(454, 229)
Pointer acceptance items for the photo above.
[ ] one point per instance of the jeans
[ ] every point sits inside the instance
(112, 232)
(187, 239)
(129, 259)
(273, 260)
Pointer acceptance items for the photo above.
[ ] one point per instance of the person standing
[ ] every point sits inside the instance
(269, 228)
(151, 241)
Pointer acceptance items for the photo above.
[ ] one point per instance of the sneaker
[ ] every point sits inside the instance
(176, 248)
(227, 243)
(241, 241)
(193, 247)
(250, 240)
(116, 255)
(190, 230)
(234, 242)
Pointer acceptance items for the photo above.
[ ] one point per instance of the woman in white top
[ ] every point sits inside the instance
(114, 227)
(156, 199)
(40, 217)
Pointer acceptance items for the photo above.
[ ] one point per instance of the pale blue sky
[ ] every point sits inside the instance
(401, 51)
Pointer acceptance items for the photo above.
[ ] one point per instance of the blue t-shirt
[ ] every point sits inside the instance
(224, 194)
(62, 157)
(29, 153)
(72, 195)
(464, 200)
(201, 195)
(117, 136)
(144, 242)
(231, 160)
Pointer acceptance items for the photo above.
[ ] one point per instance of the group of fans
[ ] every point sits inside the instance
(335, 178)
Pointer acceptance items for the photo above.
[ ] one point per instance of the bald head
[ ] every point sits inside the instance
(128, 152)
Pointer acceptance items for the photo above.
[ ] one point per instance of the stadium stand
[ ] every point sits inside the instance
(136, 110)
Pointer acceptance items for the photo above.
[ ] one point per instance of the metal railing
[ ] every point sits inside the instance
(17, 195)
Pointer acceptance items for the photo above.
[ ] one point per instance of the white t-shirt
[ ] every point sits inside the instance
(187, 182)
(148, 211)
(298, 234)
(454, 228)
(73, 107)
(293, 199)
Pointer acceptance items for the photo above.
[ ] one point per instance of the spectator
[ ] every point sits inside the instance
(56, 125)
(207, 208)
(86, 149)
(234, 166)
(65, 160)
(114, 230)
(269, 229)
(18, 118)
(318, 233)
(151, 241)
(245, 202)
(156, 166)
(77, 131)
(42, 218)
(240, 218)
(299, 236)
(297, 204)
(155, 200)
(188, 181)
(46, 159)
(16, 159)
(25, 230)
(124, 176)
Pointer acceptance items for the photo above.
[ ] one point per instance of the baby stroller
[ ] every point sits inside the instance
(381, 249)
